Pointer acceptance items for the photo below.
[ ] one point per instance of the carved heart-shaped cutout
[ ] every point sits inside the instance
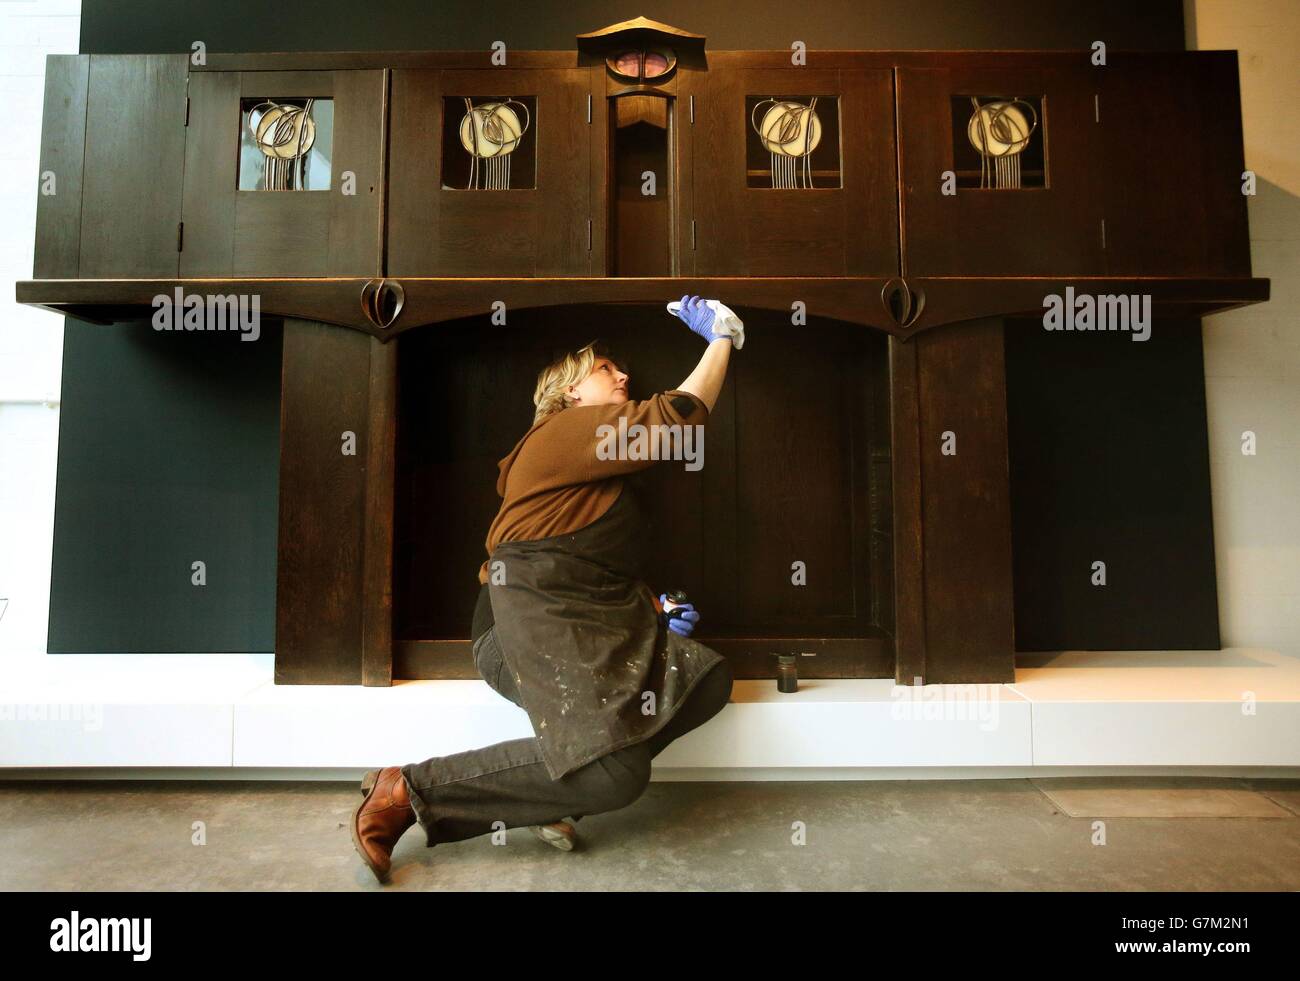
(381, 301)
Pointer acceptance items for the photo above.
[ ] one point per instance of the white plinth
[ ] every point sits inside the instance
(222, 716)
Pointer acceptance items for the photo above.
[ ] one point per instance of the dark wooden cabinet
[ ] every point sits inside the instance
(1149, 141)
(440, 225)
(829, 446)
(1141, 159)
(1171, 159)
(333, 231)
(1051, 225)
(841, 219)
(114, 143)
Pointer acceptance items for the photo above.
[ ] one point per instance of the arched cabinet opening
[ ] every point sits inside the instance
(779, 526)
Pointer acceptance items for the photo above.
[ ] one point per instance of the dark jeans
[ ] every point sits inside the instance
(464, 795)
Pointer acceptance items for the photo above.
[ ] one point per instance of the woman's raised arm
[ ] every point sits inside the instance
(705, 382)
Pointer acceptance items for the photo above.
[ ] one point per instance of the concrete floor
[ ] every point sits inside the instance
(861, 835)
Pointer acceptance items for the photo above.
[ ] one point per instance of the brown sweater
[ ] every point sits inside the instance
(553, 482)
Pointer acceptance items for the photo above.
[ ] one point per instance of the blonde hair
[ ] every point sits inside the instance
(551, 396)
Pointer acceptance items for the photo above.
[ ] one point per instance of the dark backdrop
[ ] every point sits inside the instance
(1110, 463)
(168, 444)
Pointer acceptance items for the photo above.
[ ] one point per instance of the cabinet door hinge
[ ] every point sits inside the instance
(180, 236)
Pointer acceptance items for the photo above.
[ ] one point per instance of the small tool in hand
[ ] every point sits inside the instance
(678, 614)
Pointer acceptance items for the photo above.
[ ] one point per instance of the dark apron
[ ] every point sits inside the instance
(579, 632)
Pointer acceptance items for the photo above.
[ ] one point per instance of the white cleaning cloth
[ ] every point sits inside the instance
(725, 321)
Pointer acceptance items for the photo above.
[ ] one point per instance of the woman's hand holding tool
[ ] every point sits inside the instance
(682, 618)
(698, 316)
(711, 319)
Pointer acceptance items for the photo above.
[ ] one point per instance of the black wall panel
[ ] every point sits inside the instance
(168, 454)
(1110, 462)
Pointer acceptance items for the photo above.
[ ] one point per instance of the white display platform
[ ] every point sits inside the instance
(1230, 712)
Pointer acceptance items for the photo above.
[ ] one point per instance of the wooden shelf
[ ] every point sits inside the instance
(856, 300)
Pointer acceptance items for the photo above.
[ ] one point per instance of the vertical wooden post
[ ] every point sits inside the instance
(905, 454)
(381, 462)
(333, 622)
(952, 510)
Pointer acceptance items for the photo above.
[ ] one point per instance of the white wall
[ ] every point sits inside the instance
(1252, 355)
(31, 341)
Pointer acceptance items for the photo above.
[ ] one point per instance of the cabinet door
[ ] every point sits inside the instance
(793, 174)
(134, 162)
(1027, 206)
(490, 173)
(283, 174)
(63, 154)
(1171, 123)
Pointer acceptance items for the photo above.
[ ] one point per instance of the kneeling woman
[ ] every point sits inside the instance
(565, 626)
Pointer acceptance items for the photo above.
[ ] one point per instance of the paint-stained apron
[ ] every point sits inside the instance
(579, 632)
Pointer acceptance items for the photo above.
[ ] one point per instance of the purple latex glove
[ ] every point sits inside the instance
(698, 316)
(682, 618)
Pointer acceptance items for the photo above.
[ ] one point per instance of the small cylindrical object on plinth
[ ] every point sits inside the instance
(787, 673)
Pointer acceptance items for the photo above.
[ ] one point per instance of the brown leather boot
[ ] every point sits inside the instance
(562, 834)
(381, 818)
